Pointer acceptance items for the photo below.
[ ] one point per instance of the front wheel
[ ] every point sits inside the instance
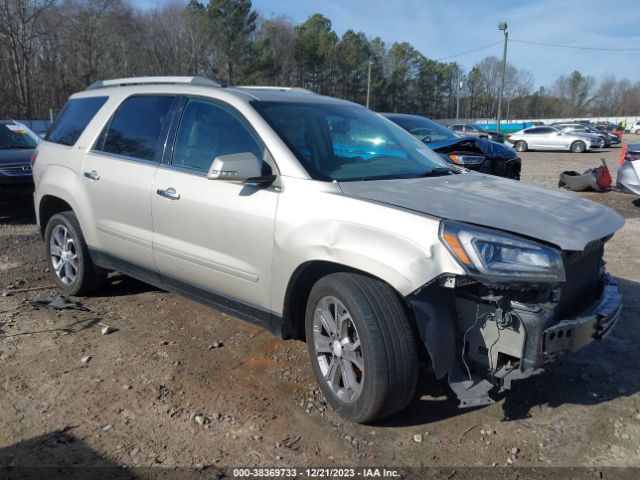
(578, 146)
(68, 256)
(362, 346)
(520, 146)
(602, 143)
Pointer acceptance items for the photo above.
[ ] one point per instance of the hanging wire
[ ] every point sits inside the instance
(575, 47)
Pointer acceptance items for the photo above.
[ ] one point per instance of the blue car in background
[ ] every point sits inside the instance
(474, 153)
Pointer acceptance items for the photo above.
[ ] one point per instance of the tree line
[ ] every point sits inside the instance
(52, 48)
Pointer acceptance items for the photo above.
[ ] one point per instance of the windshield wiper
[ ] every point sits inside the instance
(440, 171)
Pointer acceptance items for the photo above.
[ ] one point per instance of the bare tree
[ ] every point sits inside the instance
(19, 31)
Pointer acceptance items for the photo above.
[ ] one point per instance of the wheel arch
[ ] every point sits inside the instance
(60, 188)
(48, 206)
(299, 287)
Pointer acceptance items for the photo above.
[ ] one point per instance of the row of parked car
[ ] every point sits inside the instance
(463, 144)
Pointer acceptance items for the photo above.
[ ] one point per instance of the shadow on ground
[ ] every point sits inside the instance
(17, 209)
(122, 286)
(60, 455)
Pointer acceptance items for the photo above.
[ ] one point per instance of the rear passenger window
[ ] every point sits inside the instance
(73, 119)
(134, 130)
(208, 131)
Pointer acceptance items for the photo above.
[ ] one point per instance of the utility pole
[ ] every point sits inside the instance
(502, 26)
(458, 85)
(369, 83)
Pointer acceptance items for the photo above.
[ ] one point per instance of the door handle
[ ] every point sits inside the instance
(169, 193)
(92, 175)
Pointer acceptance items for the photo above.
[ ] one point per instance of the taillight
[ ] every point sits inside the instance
(508, 135)
(33, 159)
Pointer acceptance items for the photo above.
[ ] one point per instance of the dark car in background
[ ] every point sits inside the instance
(17, 145)
(474, 153)
(471, 130)
(607, 138)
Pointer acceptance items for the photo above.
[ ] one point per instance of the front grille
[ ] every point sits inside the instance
(584, 279)
(16, 170)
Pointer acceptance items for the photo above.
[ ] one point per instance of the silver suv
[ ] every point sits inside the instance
(323, 222)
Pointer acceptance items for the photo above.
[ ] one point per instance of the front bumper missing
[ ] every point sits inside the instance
(594, 324)
(477, 352)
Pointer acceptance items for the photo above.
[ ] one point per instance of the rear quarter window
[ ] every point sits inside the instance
(73, 119)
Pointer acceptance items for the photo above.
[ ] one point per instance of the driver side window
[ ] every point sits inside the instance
(207, 131)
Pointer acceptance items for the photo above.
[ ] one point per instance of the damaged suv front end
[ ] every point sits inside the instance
(533, 287)
(521, 306)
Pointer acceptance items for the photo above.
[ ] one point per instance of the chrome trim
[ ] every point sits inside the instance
(92, 175)
(123, 157)
(169, 193)
(16, 169)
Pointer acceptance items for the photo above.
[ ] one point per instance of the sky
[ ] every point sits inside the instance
(441, 29)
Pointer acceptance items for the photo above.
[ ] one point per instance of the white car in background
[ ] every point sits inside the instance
(635, 127)
(551, 138)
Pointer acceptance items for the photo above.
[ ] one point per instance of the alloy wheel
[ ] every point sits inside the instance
(64, 256)
(338, 349)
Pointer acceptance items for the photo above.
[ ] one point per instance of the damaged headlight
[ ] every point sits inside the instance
(501, 256)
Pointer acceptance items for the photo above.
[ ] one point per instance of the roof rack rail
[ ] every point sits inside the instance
(122, 82)
(281, 89)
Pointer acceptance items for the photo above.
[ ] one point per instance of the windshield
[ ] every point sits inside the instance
(423, 129)
(348, 142)
(13, 135)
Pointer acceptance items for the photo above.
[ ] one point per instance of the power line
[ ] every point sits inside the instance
(576, 47)
(469, 51)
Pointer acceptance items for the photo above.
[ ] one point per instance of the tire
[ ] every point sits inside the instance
(578, 146)
(602, 143)
(520, 146)
(385, 373)
(70, 264)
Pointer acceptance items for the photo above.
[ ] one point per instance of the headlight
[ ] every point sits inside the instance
(500, 256)
(466, 160)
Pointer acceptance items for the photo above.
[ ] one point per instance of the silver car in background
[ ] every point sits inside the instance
(628, 178)
(551, 138)
(605, 139)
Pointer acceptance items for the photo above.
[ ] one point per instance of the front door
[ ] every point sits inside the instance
(213, 237)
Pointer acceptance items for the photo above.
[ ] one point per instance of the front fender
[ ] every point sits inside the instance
(400, 247)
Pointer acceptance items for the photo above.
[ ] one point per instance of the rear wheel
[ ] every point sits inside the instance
(520, 146)
(602, 143)
(578, 146)
(70, 265)
(361, 345)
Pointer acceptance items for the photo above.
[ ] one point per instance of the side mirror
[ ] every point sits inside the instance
(237, 167)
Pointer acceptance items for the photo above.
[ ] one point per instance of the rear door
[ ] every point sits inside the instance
(545, 138)
(118, 175)
(213, 238)
(533, 138)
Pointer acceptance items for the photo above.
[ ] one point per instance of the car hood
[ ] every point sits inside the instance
(489, 149)
(18, 155)
(555, 217)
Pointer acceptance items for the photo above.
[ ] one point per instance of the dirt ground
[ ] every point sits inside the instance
(179, 384)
